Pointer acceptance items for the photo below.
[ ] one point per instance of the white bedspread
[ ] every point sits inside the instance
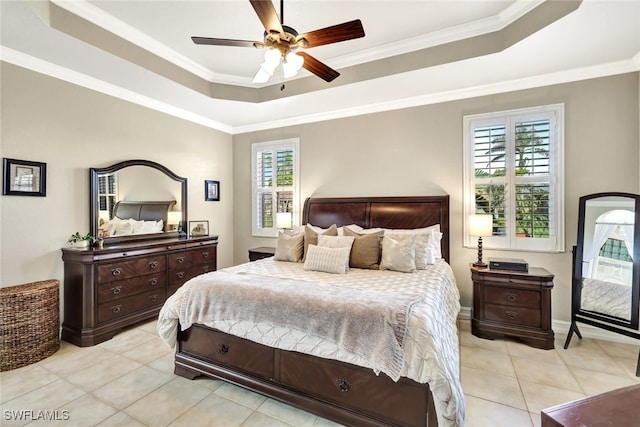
(430, 344)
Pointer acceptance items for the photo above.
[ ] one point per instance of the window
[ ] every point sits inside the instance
(275, 184)
(513, 170)
(107, 195)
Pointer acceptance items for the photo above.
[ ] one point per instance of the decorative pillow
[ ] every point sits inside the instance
(289, 247)
(424, 252)
(398, 254)
(365, 252)
(136, 226)
(108, 228)
(122, 228)
(151, 227)
(432, 229)
(328, 260)
(335, 241)
(311, 235)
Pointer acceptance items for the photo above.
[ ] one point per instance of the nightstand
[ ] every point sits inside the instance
(513, 303)
(261, 252)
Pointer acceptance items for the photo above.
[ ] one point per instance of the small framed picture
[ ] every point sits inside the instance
(24, 178)
(198, 228)
(211, 191)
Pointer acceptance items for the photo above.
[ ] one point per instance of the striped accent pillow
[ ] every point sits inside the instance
(328, 260)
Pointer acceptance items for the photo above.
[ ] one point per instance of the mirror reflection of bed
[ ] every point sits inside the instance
(607, 265)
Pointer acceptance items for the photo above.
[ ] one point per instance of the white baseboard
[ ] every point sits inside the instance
(562, 327)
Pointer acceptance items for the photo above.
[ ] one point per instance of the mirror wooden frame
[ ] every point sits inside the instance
(601, 320)
(94, 173)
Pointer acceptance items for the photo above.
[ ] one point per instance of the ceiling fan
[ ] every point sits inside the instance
(282, 43)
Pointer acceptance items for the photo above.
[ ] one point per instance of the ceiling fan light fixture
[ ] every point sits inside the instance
(292, 64)
(272, 58)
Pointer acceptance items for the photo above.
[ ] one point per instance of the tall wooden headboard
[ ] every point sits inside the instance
(385, 212)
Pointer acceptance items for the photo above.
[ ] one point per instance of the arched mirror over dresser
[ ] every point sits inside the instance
(606, 265)
(136, 188)
(144, 259)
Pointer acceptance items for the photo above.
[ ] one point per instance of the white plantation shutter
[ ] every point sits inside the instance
(513, 170)
(275, 184)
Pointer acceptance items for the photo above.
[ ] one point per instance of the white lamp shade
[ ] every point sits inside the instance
(283, 220)
(103, 216)
(480, 225)
(174, 217)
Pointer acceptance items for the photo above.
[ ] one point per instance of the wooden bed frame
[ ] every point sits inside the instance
(338, 391)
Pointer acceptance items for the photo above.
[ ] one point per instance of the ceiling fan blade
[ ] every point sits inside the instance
(336, 33)
(267, 14)
(321, 70)
(223, 42)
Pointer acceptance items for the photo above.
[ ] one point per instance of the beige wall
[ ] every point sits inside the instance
(71, 129)
(418, 151)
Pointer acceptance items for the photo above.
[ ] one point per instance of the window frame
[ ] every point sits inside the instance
(274, 146)
(555, 242)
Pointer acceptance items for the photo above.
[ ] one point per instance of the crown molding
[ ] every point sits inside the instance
(567, 76)
(613, 68)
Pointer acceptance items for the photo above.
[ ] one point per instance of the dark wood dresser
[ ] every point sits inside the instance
(513, 303)
(106, 290)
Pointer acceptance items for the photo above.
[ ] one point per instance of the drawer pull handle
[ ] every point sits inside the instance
(116, 290)
(153, 265)
(153, 298)
(205, 268)
(180, 259)
(205, 254)
(511, 315)
(116, 271)
(511, 297)
(180, 274)
(343, 385)
(223, 349)
(116, 309)
(153, 281)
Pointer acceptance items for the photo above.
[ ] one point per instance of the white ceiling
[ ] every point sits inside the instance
(598, 38)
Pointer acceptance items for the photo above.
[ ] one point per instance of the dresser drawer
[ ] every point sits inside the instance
(125, 288)
(122, 307)
(513, 315)
(199, 255)
(234, 352)
(182, 275)
(511, 297)
(132, 268)
(353, 387)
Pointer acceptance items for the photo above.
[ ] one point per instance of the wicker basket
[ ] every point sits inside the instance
(29, 323)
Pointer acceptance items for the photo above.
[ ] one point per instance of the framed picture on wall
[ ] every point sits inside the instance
(211, 191)
(198, 228)
(24, 178)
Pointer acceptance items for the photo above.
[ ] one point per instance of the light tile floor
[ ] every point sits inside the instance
(129, 381)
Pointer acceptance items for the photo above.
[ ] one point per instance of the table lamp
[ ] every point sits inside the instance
(283, 220)
(480, 226)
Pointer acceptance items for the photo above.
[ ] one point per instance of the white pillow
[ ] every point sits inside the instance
(425, 254)
(337, 242)
(136, 226)
(398, 254)
(434, 230)
(122, 228)
(151, 227)
(328, 260)
(290, 247)
(108, 228)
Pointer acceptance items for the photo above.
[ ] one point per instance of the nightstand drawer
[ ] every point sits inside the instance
(512, 315)
(511, 297)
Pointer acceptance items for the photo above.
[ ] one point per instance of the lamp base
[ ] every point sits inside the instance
(480, 265)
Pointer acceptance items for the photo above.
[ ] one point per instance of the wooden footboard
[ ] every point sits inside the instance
(338, 391)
